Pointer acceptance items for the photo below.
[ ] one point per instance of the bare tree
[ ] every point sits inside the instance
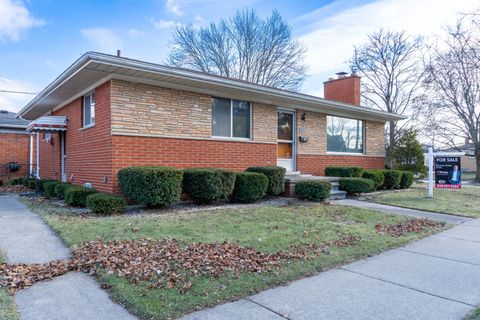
(390, 65)
(244, 47)
(453, 77)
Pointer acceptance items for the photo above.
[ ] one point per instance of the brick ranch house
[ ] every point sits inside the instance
(107, 112)
(15, 146)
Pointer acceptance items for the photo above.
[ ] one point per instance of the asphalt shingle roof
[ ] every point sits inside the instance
(7, 119)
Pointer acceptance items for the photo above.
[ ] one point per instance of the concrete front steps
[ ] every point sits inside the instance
(292, 178)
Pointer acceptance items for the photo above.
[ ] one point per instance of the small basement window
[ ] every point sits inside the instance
(231, 118)
(89, 110)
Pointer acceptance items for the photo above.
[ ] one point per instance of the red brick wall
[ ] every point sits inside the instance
(345, 89)
(185, 153)
(315, 164)
(89, 150)
(14, 148)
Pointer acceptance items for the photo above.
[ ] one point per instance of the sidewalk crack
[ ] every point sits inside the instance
(269, 309)
(407, 287)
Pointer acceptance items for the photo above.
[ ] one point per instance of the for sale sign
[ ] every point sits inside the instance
(448, 173)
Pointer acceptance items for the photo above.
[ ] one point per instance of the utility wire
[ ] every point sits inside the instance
(19, 92)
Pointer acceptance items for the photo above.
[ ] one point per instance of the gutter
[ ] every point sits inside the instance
(298, 98)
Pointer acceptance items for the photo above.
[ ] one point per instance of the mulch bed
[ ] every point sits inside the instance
(13, 189)
(409, 226)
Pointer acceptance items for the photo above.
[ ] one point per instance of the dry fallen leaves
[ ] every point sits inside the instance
(408, 226)
(14, 188)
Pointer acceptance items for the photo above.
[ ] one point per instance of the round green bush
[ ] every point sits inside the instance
(376, 176)
(77, 196)
(39, 184)
(276, 178)
(152, 186)
(205, 185)
(343, 172)
(106, 203)
(249, 187)
(315, 190)
(16, 181)
(355, 185)
(407, 180)
(60, 189)
(49, 188)
(392, 179)
(30, 183)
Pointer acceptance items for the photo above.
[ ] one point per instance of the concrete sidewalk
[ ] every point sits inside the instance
(448, 218)
(434, 278)
(24, 238)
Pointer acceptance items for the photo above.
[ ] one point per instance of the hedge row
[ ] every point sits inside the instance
(344, 172)
(356, 185)
(160, 186)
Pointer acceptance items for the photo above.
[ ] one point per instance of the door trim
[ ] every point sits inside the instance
(294, 135)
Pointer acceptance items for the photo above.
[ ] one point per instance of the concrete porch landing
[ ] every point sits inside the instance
(292, 178)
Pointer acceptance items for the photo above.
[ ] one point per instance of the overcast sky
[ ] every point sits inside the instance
(40, 38)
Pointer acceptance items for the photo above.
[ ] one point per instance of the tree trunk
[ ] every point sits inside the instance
(391, 144)
(477, 157)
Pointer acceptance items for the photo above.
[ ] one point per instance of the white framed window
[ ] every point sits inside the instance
(89, 109)
(231, 118)
(345, 135)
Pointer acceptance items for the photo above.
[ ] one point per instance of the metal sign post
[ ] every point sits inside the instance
(430, 172)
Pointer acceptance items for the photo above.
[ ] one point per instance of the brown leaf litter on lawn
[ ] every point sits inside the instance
(408, 226)
(342, 242)
(164, 263)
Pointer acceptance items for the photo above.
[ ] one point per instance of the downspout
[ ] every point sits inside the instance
(38, 155)
(31, 156)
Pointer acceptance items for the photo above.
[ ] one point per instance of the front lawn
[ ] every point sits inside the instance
(463, 202)
(8, 310)
(266, 229)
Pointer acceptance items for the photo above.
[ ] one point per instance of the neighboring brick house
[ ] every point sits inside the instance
(108, 112)
(14, 146)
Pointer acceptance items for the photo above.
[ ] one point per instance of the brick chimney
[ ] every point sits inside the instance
(345, 88)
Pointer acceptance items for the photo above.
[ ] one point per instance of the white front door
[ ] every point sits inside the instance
(286, 140)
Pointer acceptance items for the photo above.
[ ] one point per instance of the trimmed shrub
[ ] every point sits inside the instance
(316, 190)
(152, 186)
(30, 183)
(376, 176)
(355, 185)
(106, 203)
(249, 187)
(39, 184)
(407, 180)
(392, 179)
(60, 189)
(206, 185)
(17, 181)
(276, 178)
(49, 188)
(77, 196)
(343, 172)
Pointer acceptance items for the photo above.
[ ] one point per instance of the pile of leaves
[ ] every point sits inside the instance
(163, 263)
(408, 226)
(13, 188)
(19, 276)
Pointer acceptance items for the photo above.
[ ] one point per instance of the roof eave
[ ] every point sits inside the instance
(297, 98)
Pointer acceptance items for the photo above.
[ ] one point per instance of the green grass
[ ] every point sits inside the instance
(267, 229)
(8, 310)
(464, 202)
(468, 175)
